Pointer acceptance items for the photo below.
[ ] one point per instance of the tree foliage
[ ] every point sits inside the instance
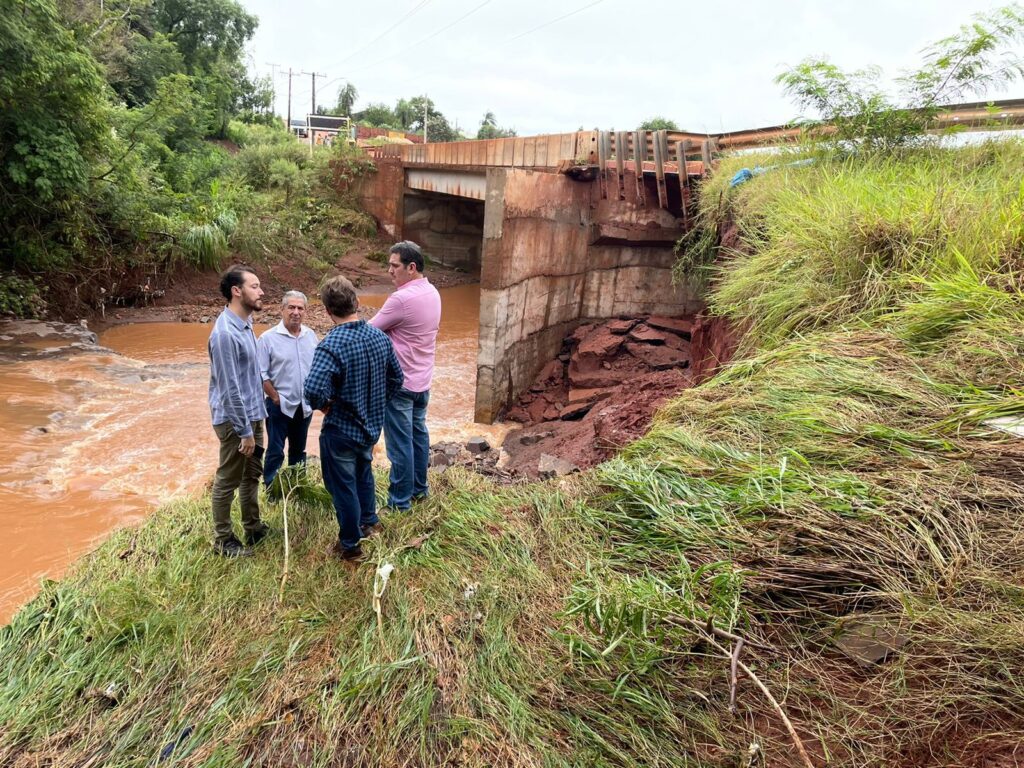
(489, 128)
(658, 123)
(858, 110)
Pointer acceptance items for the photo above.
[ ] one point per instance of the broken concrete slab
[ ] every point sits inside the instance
(659, 358)
(552, 466)
(646, 335)
(683, 326)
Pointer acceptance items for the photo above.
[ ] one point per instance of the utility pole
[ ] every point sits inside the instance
(425, 102)
(314, 76)
(290, 73)
(273, 84)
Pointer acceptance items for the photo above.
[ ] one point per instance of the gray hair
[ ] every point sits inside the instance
(294, 295)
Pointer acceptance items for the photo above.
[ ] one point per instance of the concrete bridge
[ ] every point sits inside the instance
(566, 228)
(562, 229)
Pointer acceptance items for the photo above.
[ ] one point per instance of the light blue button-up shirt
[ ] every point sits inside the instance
(236, 389)
(285, 361)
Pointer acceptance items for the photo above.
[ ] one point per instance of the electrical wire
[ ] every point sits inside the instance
(408, 15)
(420, 42)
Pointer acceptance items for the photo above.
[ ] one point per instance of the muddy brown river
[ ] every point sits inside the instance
(96, 440)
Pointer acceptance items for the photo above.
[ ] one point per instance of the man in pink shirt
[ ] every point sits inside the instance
(410, 317)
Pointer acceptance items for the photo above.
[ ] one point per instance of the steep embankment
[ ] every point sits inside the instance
(836, 498)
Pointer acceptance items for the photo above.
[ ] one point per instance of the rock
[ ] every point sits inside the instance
(599, 344)
(518, 414)
(683, 326)
(552, 413)
(440, 459)
(592, 379)
(620, 327)
(588, 395)
(552, 466)
(551, 375)
(659, 358)
(504, 459)
(575, 411)
(581, 333)
(647, 335)
(869, 639)
(204, 319)
(39, 430)
(478, 445)
(533, 438)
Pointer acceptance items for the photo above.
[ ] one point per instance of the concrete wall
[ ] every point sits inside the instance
(450, 230)
(555, 254)
(381, 195)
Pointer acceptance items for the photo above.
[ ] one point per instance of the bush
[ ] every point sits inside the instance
(20, 297)
(255, 161)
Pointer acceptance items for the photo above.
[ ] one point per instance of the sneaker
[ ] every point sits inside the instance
(346, 553)
(252, 538)
(369, 531)
(231, 548)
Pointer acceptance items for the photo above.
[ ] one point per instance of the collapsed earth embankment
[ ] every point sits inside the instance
(836, 497)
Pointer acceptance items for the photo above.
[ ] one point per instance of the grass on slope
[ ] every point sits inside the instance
(839, 476)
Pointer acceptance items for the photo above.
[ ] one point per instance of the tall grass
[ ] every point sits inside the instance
(839, 478)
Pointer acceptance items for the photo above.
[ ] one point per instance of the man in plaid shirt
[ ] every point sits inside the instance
(354, 373)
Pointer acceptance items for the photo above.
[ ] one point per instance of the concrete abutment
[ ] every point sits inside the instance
(553, 253)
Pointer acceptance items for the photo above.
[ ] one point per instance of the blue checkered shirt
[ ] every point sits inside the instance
(355, 371)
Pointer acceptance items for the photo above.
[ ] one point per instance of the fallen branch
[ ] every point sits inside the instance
(732, 675)
(734, 659)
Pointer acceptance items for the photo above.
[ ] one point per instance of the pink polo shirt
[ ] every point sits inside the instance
(410, 317)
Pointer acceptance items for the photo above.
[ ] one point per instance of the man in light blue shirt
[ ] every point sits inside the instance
(237, 410)
(285, 353)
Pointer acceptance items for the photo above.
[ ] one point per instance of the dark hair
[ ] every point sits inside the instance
(409, 253)
(232, 276)
(339, 296)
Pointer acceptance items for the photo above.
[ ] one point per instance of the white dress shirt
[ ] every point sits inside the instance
(284, 361)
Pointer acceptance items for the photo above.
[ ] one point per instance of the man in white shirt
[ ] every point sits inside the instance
(285, 354)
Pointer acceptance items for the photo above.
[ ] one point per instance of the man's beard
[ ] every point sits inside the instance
(251, 307)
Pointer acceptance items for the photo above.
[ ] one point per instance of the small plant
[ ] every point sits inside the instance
(204, 245)
(856, 110)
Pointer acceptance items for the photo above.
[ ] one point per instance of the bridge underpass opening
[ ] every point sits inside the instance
(449, 229)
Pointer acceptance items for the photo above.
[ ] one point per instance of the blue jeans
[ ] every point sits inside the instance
(280, 427)
(408, 446)
(348, 476)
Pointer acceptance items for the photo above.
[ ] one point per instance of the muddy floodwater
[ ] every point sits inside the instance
(95, 440)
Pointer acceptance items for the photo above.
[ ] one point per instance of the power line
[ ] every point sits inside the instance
(520, 35)
(553, 21)
(431, 36)
(408, 14)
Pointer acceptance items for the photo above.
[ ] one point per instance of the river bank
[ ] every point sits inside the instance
(102, 429)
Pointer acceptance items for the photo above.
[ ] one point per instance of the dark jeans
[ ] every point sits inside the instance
(280, 427)
(348, 476)
(408, 446)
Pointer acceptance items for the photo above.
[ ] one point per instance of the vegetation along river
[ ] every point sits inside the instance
(97, 439)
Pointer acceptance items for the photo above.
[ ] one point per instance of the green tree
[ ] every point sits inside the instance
(347, 99)
(53, 127)
(378, 115)
(405, 114)
(489, 128)
(859, 110)
(658, 123)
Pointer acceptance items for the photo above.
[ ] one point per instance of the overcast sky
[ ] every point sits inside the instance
(607, 64)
